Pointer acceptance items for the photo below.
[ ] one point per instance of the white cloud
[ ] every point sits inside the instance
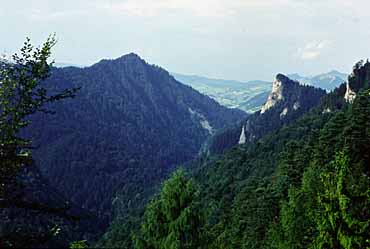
(203, 8)
(313, 50)
(150, 8)
(205, 34)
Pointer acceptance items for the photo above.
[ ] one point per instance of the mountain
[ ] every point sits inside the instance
(287, 101)
(230, 93)
(129, 126)
(328, 81)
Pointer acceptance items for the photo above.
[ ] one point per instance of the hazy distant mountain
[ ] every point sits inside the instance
(130, 124)
(327, 81)
(61, 65)
(230, 93)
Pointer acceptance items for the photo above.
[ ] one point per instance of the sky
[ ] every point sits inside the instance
(230, 39)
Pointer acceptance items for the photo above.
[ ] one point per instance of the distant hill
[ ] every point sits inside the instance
(230, 93)
(250, 96)
(328, 81)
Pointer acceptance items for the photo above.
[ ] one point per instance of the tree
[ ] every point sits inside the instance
(293, 160)
(173, 220)
(358, 132)
(81, 244)
(21, 95)
(343, 219)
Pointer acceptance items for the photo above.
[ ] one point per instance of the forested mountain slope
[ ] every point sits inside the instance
(130, 124)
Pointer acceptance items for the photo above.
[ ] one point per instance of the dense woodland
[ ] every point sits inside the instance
(303, 183)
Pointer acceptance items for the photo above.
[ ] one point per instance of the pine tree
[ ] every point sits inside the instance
(343, 219)
(331, 138)
(173, 220)
(358, 133)
(293, 160)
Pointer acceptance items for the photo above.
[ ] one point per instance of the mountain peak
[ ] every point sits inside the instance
(130, 57)
(334, 72)
(127, 58)
(282, 78)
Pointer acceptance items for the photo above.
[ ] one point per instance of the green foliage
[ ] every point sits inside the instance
(173, 220)
(78, 245)
(329, 208)
(21, 96)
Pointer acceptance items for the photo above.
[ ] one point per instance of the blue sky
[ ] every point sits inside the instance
(232, 39)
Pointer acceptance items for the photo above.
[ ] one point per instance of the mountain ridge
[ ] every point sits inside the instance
(128, 127)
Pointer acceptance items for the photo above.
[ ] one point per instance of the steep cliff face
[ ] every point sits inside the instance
(287, 101)
(242, 136)
(276, 94)
(350, 94)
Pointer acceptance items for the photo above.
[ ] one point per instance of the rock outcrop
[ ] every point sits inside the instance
(276, 94)
(350, 94)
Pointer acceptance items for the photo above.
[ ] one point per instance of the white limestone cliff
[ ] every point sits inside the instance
(296, 106)
(242, 138)
(275, 96)
(284, 113)
(202, 121)
(350, 94)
